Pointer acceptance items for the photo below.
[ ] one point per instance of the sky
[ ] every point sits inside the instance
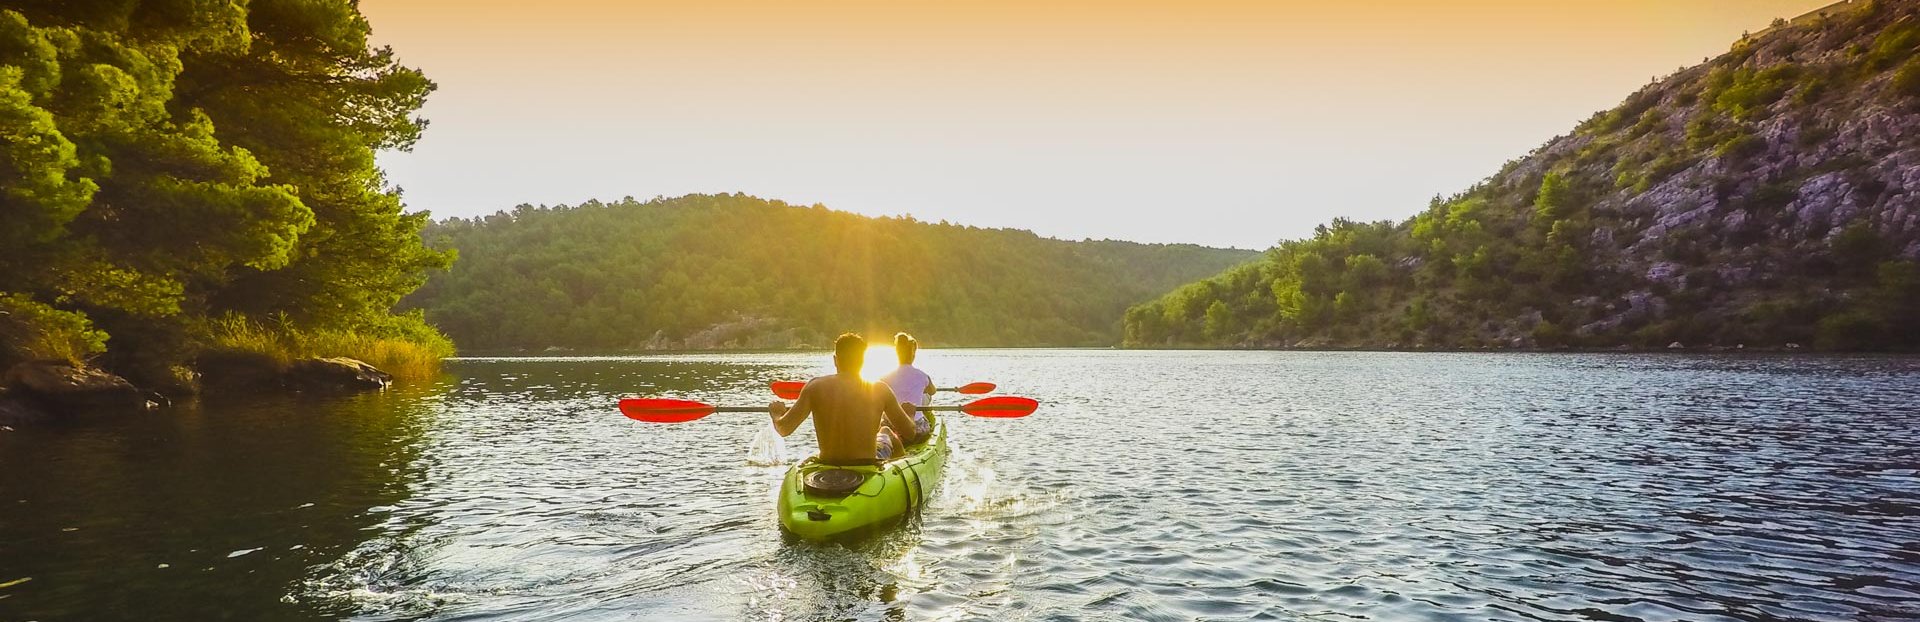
(1226, 123)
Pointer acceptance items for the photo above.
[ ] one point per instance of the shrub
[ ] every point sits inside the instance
(1663, 167)
(1812, 86)
(1906, 81)
(1894, 44)
(1740, 147)
(1630, 110)
(30, 330)
(1858, 250)
(1850, 330)
(1549, 335)
(1649, 121)
(1555, 199)
(1748, 93)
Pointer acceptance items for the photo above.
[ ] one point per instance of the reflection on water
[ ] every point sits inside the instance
(209, 510)
(1167, 485)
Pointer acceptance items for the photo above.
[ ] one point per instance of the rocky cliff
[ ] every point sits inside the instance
(1764, 197)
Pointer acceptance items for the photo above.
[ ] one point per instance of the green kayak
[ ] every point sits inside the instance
(884, 493)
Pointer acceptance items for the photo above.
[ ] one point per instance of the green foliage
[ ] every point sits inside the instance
(1650, 121)
(30, 330)
(1365, 272)
(164, 164)
(1740, 146)
(1906, 80)
(1219, 321)
(1347, 307)
(1663, 166)
(1745, 93)
(1813, 86)
(1894, 45)
(1705, 131)
(1555, 200)
(1629, 111)
(1549, 335)
(705, 270)
(1858, 249)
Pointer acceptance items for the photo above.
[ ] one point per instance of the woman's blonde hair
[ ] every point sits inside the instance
(905, 346)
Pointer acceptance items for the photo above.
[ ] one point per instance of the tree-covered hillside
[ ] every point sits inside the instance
(167, 167)
(706, 271)
(1766, 197)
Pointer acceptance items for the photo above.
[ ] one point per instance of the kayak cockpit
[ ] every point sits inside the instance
(813, 505)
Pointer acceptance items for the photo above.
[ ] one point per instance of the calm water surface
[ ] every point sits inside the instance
(1151, 485)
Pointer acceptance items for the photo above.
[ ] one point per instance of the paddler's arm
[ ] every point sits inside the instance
(895, 416)
(786, 420)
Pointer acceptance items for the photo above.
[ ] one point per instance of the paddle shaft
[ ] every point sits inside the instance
(761, 409)
(669, 410)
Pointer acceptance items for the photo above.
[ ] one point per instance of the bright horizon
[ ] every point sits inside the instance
(1219, 123)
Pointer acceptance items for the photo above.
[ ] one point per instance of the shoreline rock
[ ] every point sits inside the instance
(63, 386)
(231, 371)
(337, 373)
(36, 391)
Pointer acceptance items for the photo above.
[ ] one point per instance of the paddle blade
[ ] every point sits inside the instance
(788, 389)
(1002, 407)
(655, 410)
(976, 388)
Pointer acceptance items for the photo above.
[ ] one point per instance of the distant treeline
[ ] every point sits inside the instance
(705, 271)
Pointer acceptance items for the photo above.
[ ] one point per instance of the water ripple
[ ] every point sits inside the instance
(1151, 486)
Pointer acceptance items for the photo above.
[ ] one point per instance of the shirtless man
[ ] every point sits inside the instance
(847, 411)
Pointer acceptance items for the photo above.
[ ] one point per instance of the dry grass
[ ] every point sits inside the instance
(410, 356)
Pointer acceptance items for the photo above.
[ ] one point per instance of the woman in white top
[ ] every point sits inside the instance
(910, 385)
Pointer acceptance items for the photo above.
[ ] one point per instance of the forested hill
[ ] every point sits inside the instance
(705, 271)
(1766, 197)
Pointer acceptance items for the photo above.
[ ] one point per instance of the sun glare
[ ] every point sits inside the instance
(880, 360)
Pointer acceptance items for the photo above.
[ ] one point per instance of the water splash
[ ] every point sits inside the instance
(767, 448)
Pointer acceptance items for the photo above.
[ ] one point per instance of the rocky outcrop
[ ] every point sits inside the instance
(62, 387)
(336, 374)
(240, 371)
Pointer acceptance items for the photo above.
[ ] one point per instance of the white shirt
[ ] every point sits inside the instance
(909, 384)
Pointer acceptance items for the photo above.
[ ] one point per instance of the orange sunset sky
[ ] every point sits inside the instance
(1224, 123)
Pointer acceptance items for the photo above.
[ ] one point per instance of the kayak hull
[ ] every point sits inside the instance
(889, 493)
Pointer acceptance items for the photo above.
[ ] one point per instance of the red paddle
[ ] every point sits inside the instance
(661, 410)
(790, 389)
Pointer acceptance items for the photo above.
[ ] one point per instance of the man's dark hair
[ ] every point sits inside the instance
(849, 353)
(905, 346)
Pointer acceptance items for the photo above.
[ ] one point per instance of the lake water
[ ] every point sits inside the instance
(1150, 486)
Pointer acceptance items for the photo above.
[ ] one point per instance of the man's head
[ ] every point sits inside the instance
(849, 353)
(905, 346)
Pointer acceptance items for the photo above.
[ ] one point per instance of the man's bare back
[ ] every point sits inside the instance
(847, 413)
